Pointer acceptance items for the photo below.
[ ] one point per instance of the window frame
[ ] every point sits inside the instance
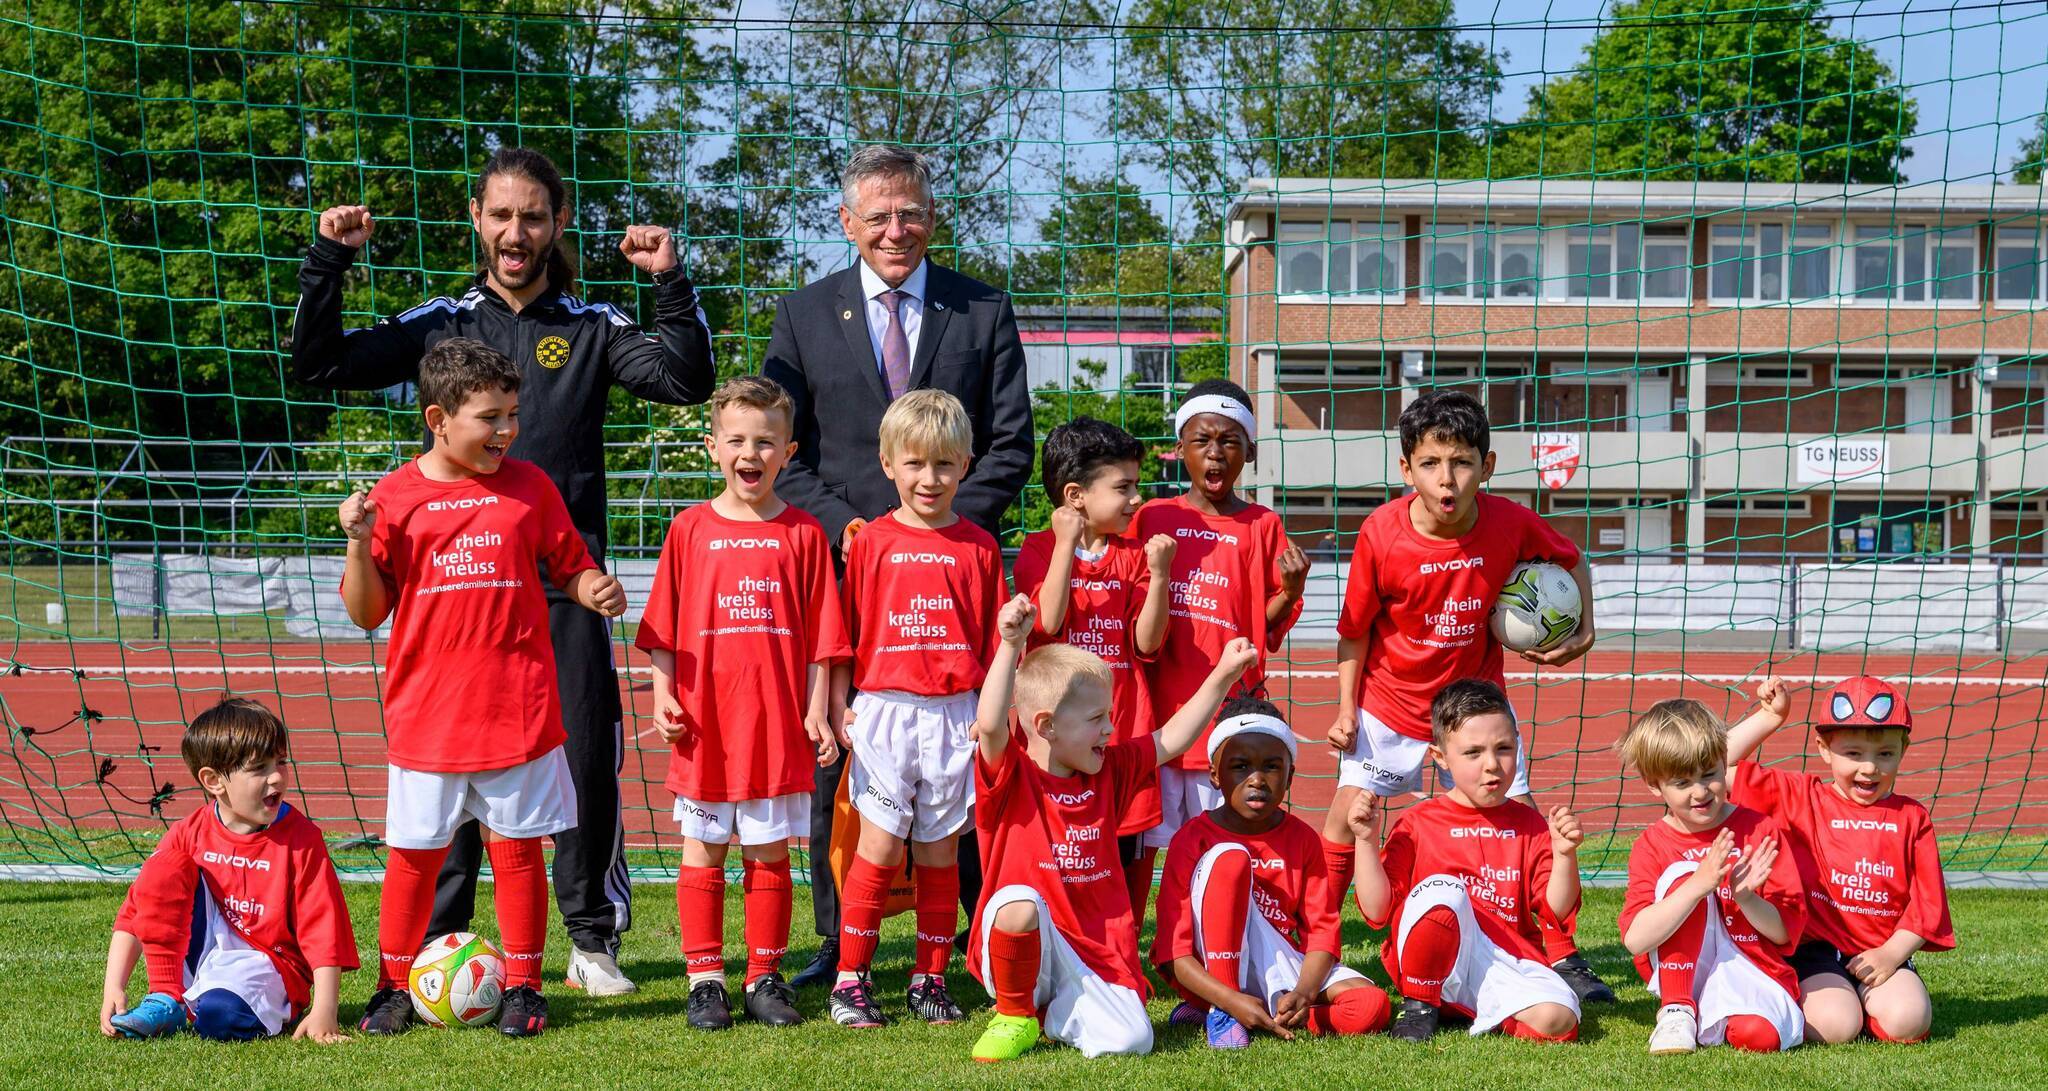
(1636, 269)
(1321, 239)
(1464, 235)
(1927, 233)
(2039, 298)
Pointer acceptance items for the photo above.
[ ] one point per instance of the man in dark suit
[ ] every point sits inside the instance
(851, 342)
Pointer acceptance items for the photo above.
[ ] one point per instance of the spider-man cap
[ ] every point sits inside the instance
(1864, 701)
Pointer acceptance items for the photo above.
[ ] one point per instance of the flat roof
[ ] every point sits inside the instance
(1479, 194)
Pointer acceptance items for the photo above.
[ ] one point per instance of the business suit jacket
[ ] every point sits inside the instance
(819, 350)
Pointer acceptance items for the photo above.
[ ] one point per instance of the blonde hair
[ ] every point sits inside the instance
(1051, 673)
(754, 392)
(928, 422)
(1675, 738)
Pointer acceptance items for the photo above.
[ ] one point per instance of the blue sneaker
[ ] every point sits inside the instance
(156, 1015)
(1225, 1032)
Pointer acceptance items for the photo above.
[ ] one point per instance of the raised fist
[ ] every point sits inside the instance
(650, 249)
(349, 225)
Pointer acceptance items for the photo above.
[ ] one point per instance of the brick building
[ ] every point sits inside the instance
(1712, 370)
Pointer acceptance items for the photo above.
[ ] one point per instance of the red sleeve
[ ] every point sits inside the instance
(658, 619)
(1926, 912)
(1361, 591)
(1542, 543)
(993, 593)
(991, 781)
(158, 910)
(850, 587)
(1643, 868)
(1321, 921)
(1173, 935)
(319, 914)
(1760, 788)
(1784, 888)
(558, 545)
(1139, 575)
(1132, 766)
(1397, 858)
(821, 599)
(1276, 544)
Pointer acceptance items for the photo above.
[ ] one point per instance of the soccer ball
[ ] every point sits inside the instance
(457, 981)
(1538, 609)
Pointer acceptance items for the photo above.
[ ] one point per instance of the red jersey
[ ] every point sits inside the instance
(1290, 886)
(1662, 845)
(1057, 835)
(922, 606)
(1225, 569)
(275, 887)
(1501, 854)
(1423, 605)
(469, 680)
(1872, 871)
(746, 607)
(1104, 599)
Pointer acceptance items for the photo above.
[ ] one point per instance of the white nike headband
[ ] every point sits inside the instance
(1219, 404)
(1255, 724)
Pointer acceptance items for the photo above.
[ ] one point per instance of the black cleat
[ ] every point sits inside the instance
(524, 1014)
(823, 969)
(709, 1008)
(1578, 973)
(770, 1000)
(930, 1002)
(388, 1012)
(1415, 1022)
(853, 1004)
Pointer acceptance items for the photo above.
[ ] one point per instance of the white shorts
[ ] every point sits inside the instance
(912, 772)
(1079, 1007)
(1486, 981)
(1271, 966)
(226, 961)
(752, 821)
(422, 809)
(1725, 982)
(1183, 795)
(1387, 763)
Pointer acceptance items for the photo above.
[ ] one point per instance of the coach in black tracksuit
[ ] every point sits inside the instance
(570, 353)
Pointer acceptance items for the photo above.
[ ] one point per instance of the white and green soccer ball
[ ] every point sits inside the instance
(1538, 609)
(457, 981)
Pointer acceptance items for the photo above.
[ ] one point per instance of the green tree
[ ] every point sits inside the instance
(1211, 100)
(2027, 161)
(1716, 90)
(1102, 244)
(1146, 415)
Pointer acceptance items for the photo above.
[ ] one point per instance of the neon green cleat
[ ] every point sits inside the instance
(1007, 1038)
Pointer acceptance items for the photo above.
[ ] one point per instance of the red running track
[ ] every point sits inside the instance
(1979, 728)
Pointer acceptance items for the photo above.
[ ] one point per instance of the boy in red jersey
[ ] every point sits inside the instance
(1424, 578)
(454, 542)
(254, 874)
(1052, 936)
(743, 626)
(1464, 878)
(1713, 903)
(1278, 969)
(1098, 590)
(922, 588)
(1877, 895)
(1234, 574)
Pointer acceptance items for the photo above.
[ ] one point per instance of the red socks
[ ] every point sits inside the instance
(1428, 955)
(700, 917)
(769, 896)
(1340, 861)
(1363, 1010)
(1752, 1034)
(403, 910)
(860, 913)
(938, 913)
(1678, 959)
(1013, 971)
(1225, 901)
(519, 881)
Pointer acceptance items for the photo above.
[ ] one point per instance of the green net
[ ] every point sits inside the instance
(1751, 291)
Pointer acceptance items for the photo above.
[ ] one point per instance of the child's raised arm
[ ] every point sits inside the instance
(1150, 634)
(1056, 590)
(365, 593)
(1773, 701)
(1372, 889)
(1660, 920)
(1187, 725)
(992, 712)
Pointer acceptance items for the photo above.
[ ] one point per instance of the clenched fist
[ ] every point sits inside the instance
(650, 249)
(349, 225)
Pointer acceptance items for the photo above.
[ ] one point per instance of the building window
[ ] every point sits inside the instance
(1627, 261)
(1753, 262)
(1787, 505)
(1341, 257)
(2016, 275)
(1914, 262)
(1483, 261)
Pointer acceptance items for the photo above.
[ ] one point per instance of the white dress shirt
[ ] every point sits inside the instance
(912, 309)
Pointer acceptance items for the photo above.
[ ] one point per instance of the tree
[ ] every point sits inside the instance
(2027, 161)
(1102, 244)
(1390, 91)
(1715, 90)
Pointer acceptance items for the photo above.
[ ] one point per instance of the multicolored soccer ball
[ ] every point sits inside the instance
(457, 981)
(1538, 609)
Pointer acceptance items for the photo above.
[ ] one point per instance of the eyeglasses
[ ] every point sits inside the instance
(912, 216)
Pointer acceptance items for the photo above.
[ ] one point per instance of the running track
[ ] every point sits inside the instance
(1979, 729)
